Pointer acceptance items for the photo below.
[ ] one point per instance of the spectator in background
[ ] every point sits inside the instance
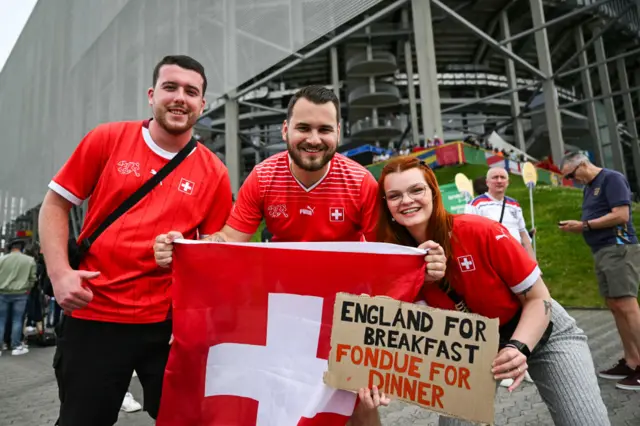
(607, 227)
(17, 276)
(495, 205)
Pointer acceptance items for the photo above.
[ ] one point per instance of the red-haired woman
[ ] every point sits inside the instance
(489, 273)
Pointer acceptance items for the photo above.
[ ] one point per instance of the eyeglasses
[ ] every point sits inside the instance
(416, 193)
(572, 175)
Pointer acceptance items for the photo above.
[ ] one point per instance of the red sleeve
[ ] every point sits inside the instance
(246, 213)
(369, 195)
(509, 259)
(79, 175)
(220, 206)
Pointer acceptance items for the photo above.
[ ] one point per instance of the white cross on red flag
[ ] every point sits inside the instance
(252, 328)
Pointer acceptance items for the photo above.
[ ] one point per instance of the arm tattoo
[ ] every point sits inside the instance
(217, 238)
(547, 307)
(524, 293)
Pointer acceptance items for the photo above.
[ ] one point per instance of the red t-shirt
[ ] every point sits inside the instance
(111, 162)
(487, 268)
(342, 206)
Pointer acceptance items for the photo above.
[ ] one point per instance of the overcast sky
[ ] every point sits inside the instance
(13, 16)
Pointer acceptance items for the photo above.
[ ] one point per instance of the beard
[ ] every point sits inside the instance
(310, 164)
(161, 113)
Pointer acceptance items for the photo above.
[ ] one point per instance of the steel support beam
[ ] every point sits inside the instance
(587, 65)
(324, 46)
(630, 118)
(587, 91)
(592, 40)
(557, 20)
(230, 45)
(427, 72)
(491, 29)
(264, 107)
(411, 88)
(488, 98)
(512, 80)
(492, 43)
(609, 108)
(335, 74)
(552, 112)
(232, 143)
(599, 98)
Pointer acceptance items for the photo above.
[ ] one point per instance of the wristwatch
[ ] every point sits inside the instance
(586, 226)
(524, 349)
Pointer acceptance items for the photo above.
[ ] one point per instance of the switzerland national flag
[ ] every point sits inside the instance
(252, 328)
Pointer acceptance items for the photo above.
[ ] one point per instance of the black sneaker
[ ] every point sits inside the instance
(631, 382)
(619, 371)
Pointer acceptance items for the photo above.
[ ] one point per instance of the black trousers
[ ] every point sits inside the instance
(94, 362)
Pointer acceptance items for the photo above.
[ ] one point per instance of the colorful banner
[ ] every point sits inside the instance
(252, 325)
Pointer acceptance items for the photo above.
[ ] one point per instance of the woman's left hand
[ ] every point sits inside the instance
(510, 363)
(436, 260)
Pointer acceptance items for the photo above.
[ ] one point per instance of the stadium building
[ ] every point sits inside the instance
(535, 76)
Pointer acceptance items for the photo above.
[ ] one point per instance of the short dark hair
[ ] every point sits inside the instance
(318, 95)
(183, 61)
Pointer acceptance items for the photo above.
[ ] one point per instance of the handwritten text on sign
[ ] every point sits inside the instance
(440, 360)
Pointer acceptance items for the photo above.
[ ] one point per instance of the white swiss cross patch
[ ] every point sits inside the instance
(466, 263)
(336, 214)
(186, 186)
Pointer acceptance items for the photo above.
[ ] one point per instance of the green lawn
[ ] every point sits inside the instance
(565, 259)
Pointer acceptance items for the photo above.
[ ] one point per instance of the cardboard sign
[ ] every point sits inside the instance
(529, 174)
(439, 360)
(464, 185)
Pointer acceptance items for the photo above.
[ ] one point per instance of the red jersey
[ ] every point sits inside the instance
(487, 268)
(342, 206)
(111, 162)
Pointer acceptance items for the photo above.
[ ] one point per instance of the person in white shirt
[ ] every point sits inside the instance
(491, 204)
(494, 204)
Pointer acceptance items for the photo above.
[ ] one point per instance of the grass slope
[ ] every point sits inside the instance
(565, 259)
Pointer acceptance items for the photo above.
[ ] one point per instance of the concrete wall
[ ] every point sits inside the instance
(78, 63)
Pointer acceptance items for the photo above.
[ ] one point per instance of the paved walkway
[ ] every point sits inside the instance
(28, 389)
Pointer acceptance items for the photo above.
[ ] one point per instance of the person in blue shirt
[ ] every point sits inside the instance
(607, 228)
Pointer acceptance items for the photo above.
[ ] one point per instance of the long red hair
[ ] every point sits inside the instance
(440, 223)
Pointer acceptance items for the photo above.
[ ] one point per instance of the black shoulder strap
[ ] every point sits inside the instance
(504, 201)
(446, 287)
(139, 194)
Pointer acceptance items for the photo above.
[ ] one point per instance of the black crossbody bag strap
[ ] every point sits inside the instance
(138, 195)
(504, 202)
(506, 330)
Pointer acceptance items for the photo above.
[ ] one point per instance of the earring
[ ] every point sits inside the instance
(393, 219)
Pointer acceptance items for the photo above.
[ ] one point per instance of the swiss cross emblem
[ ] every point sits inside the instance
(186, 186)
(336, 214)
(466, 263)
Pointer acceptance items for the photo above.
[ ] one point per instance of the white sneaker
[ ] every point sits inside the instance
(505, 383)
(29, 330)
(130, 405)
(20, 350)
(527, 377)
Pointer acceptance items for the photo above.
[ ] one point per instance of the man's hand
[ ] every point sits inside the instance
(436, 260)
(218, 237)
(163, 248)
(366, 413)
(574, 226)
(69, 291)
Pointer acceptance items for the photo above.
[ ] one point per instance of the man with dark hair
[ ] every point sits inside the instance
(308, 193)
(607, 227)
(117, 304)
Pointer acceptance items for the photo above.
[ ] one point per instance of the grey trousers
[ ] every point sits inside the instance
(563, 371)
